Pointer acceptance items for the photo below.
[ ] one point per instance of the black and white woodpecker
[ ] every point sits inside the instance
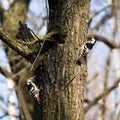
(33, 90)
(85, 50)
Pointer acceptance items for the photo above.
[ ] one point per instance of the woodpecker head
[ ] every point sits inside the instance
(29, 84)
(90, 43)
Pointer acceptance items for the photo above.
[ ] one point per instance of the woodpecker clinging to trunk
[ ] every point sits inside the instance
(85, 49)
(33, 90)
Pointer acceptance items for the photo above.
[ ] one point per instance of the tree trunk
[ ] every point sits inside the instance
(61, 81)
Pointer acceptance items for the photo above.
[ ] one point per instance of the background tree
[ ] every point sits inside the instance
(102, 89)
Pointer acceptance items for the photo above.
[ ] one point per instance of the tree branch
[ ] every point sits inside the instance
(5, 72)
(103, 20)
(19, 48)
(100, 96)
(23, 104)
(6, 112)
(20, 96)
(98, 12)
(106, 41)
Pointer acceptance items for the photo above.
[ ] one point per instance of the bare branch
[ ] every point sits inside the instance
(106, 41)
(23, 104)
(103, 20)
(20, 49)
(20, 95)
(98, 12)
(1, 117)
(100, 96)
(6, 112)
(5, 72)
(89, 81)
(20, 72)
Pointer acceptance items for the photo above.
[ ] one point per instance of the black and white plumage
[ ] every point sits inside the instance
(85, 49)
(33, 90)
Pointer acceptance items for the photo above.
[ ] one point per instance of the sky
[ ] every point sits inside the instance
(96, 59)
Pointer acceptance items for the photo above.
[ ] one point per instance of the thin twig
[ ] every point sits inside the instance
(105, 92)
(37, 57)
(66, 86)
(5, 72)
(98, 12)
(103, 20)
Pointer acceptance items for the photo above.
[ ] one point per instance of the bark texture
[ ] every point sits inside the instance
(62, 82)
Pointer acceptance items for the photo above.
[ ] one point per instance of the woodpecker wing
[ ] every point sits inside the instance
(33, 90)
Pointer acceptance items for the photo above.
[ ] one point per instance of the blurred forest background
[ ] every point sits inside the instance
(102, 93)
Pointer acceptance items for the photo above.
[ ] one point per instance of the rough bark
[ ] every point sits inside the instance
(61, 81)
